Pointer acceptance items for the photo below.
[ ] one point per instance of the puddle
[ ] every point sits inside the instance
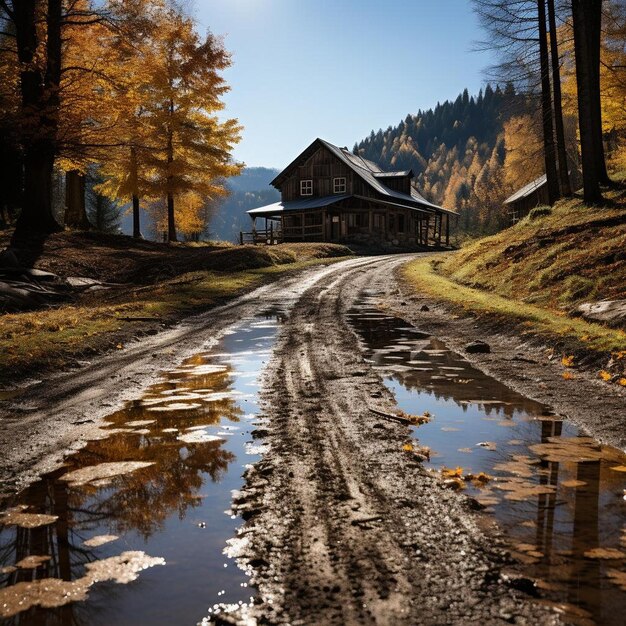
(132, 530)
(557, 494)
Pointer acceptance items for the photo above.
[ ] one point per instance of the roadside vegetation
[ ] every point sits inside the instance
(151, 286)
(537, 272)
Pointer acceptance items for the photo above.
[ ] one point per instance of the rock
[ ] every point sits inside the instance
(478, 347)
(609, 312)
(424, 308)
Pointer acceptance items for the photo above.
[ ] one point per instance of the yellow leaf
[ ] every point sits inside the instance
(568, 375)
(622, 382)
(452, 473)
(604, 375)
(408, 447)
(567, 361)
(119, 346)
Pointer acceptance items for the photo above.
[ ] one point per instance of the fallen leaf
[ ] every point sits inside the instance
(567, 361)
(568, 376)
(605, 376)
(605, 553)
(452, 473)
(573, 484)
(33, 561)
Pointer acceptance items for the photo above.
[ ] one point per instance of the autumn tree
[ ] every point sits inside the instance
(192, 147)
(138, 23)
(524, 148)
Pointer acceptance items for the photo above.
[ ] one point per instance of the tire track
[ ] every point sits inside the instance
(344, 526)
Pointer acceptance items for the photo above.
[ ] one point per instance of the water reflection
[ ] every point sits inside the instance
(555, 492)
(192, 429)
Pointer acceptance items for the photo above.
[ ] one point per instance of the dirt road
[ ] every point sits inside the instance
(344, 526)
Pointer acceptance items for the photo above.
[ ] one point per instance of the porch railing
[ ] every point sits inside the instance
(268, 237)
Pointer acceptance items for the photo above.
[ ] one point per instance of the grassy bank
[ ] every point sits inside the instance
(156, 291)
(536, 272)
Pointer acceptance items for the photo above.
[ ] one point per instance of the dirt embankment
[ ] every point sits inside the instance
(344, 526)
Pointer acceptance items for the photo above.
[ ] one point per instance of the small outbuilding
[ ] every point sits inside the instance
(330, 194)
(527, 198)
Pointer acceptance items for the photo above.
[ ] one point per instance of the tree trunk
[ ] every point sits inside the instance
(546, 108)
(583, 45)
(136, 219)
(566, 188)
(39, 113)
(594, 17)
(134, 172)
(171, 223)
(75, 210)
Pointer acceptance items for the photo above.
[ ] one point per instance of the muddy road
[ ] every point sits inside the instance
(343, 521)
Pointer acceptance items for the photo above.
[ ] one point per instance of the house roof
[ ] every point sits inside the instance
(527, 189)
(296, 205)
(366, 170)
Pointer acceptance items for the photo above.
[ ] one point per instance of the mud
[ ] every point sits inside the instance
(524, 362)
(343, 525)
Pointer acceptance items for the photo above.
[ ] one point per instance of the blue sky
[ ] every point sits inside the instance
(338, 69)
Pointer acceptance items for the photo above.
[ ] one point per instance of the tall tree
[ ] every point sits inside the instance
(586, 20)
(39, 57)
(564, 180)
(549, 152)
(194, 146)
(124, 166)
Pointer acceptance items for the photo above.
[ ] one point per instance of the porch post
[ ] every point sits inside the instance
(447, 230)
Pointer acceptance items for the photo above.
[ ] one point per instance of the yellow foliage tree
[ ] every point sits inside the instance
(192, 146)
(523, 162)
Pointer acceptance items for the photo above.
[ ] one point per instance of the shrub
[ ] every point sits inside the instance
(538, 212)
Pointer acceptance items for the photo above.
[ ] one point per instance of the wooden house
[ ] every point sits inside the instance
(330, 194)
(527, 198)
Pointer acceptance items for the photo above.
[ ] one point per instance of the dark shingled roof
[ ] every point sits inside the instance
(369, 172)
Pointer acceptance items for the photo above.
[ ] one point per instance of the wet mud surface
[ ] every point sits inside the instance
(557, 494)
(344, 521)
(158, 481)
(344, 526)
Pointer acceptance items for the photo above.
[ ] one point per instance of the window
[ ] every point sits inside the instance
(400, 223)
(306, 187)
(339, 185)
(379, 221)
(357, 220)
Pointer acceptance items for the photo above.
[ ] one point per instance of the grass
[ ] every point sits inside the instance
(536, 272)
(49, 339)
(530, 262)
(424, 276)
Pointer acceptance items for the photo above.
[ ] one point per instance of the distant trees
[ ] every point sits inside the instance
(457, 151)
(127, 85)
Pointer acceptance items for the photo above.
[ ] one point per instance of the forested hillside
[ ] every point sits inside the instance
(457, 151)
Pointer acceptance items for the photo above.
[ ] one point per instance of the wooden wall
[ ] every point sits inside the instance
(322, 167)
